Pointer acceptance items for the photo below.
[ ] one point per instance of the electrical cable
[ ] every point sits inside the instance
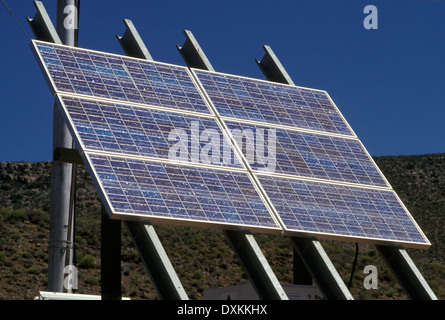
(16, 20)
(353, 266)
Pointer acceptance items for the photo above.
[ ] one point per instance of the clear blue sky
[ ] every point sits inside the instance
(389, 83)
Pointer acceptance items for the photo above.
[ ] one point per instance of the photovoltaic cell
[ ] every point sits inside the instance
(161, 191)
(340, 210)
(103, 75)
(256, 100)
(137, 131)
(305, 154)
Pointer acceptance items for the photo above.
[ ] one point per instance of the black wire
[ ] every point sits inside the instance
(353, 266)
(16, 20)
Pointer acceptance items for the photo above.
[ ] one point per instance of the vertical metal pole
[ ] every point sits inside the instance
(244, 244)
(110, 253)
(61, 217)
(144, 236)
(310, 252)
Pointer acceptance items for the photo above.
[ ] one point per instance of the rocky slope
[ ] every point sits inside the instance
(201, 257)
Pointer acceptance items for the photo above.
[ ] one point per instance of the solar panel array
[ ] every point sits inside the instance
(167, 144)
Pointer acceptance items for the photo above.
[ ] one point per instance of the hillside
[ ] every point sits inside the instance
(201, 257)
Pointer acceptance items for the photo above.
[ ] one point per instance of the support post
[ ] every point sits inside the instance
(144, 237)
(310, 252)
(407, 273)
(321, 268)
(132, 43)
(192, 53)
(245, 246)
(272, 68)
(41, 25)
(110, 253)
(61, 234)
(256, 266)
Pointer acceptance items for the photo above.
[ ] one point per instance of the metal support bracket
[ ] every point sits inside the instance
(132, 43)
(407, 273)
(254, 262)
(272, 68)
(67, 155)
(244, 244)
(192, 53)
(321, 268)
(41, 25)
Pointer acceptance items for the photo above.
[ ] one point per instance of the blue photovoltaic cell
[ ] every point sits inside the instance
(273, 103)
(305, 154)
(103, 75)
(168, 191)
(355, 212)
(131, 130)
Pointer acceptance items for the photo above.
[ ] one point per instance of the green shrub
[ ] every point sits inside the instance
(10, 215)
(37, 217)
(2, 257)
(33, 270)
(87, 262)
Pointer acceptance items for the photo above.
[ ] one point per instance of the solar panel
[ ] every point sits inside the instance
(104, 75)
(164, 144)
(131, 130)
(172, 193)
(304, 154)
(267, 102)
(335, 211)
